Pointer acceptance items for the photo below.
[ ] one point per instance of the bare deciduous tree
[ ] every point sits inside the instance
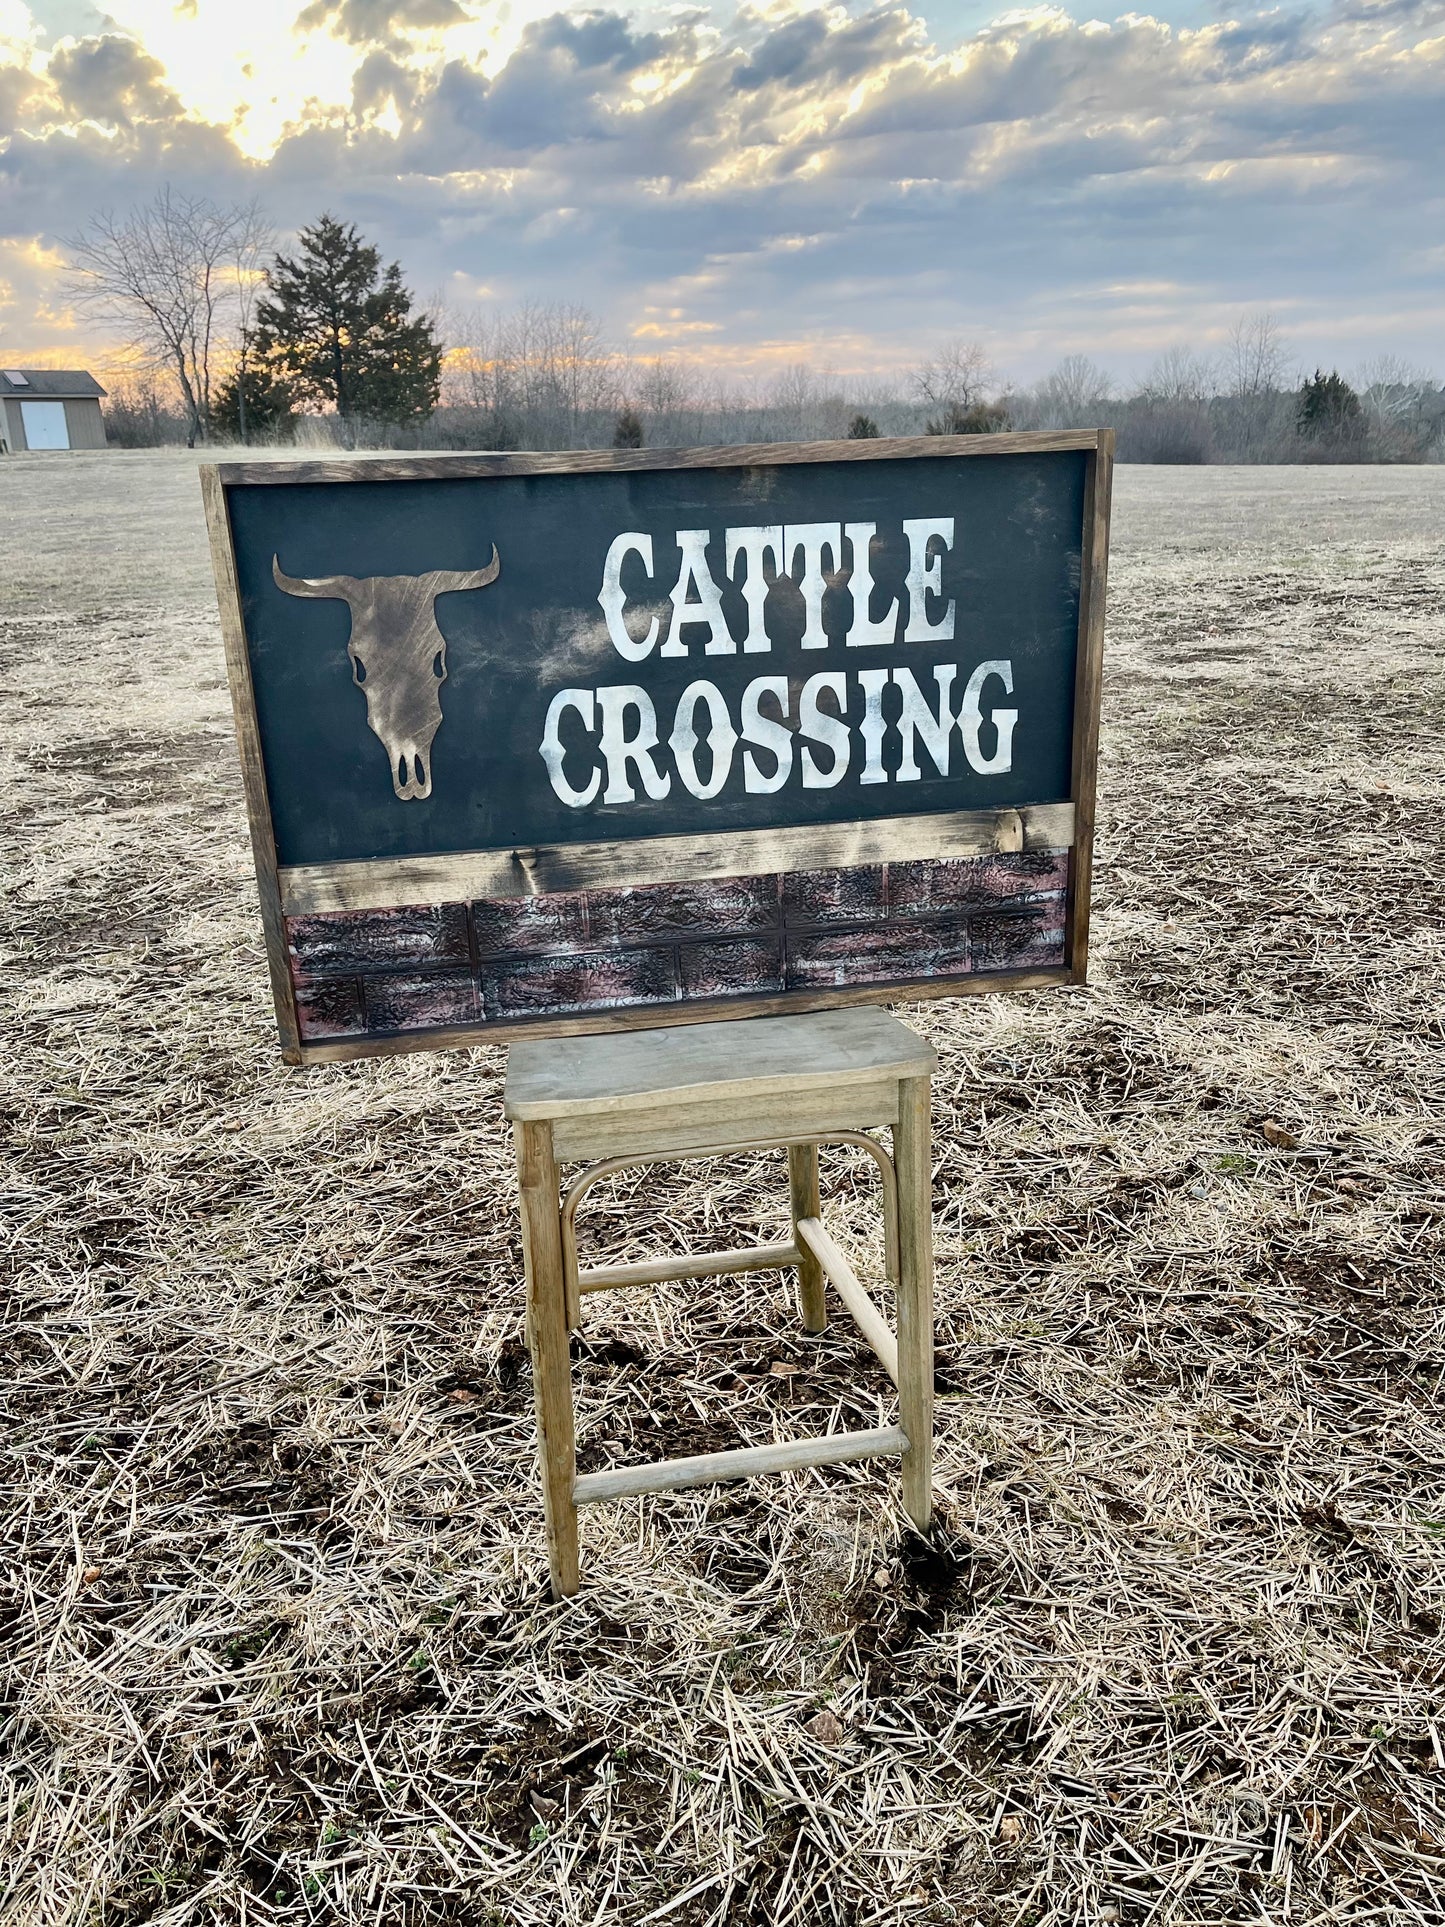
(1254, 359)
(1072, 395)
(958, 376)
(167, 271)
(1178, 375)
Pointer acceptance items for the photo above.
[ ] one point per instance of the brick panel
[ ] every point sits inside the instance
(431, 1000)
(886, 953)
(1027, 939)
(731, 969)
(683, 909)
(362, 940)
(599, 980)
(834, 896)
(914, 888)
(450, 965)
(555, 922)
(329, 1006)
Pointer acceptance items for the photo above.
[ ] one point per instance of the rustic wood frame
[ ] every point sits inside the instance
(356, 885)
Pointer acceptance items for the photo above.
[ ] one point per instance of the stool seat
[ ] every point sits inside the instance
(701, 1084)
(742, 1058)
(648, 1096)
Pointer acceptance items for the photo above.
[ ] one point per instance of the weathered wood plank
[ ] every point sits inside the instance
(912, 1157)
(384, 883)
(771, 1117)
(669, 1475)
(253, 768)
(752, 1059)
(850, 1288)
(805, 1202)
(468, 467)
(1088, 688)
(700, 1264)
(547, 1342)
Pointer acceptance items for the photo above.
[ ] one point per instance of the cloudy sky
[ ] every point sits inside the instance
(845, 185)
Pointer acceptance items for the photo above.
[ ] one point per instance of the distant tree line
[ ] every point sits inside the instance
(232, 339)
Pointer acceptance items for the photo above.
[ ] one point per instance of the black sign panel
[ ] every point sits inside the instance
(439, 659)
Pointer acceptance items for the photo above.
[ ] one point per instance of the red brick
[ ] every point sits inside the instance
(958, 883)
(557, 921)
(597, 980)
(1019, 939)
(890, 953)
(731, 969)
(680, 909)
(328, 1007)
(429, 1000)
(833, 896)
(358, 940)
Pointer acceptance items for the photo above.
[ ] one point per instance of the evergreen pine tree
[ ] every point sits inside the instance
(341, 332)
(1329, 409)
(270, 406)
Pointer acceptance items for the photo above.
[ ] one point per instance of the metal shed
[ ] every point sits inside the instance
(49, 408)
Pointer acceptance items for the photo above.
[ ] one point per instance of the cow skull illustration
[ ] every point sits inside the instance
(398, 655)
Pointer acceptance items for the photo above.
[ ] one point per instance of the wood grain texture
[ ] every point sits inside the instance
(1088, 687)
(813, 1233)
(912, 1157)
(669, 1475)
(604, 461)
(702, 1264)
(752, 1060)
(253, 768)
(859, 1106)
(547, 1342)
(385, 883)
(805, 1201)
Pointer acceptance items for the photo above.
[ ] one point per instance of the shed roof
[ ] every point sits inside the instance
(37, 384)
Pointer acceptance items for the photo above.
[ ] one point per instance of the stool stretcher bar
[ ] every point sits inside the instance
(701, 1264)
(845, 1281)
(667, 1475)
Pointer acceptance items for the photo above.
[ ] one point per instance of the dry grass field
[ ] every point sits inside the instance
(276, 1642)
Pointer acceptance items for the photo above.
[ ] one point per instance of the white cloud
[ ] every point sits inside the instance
(739, 186)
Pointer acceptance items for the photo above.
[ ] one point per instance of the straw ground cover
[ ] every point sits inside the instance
(276, 1641)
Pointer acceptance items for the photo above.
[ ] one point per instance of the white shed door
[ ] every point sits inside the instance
(44, 424)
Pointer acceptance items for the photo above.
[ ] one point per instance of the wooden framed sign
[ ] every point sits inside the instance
(590, 740)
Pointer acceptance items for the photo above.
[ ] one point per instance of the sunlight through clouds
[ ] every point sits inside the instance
(750, 177)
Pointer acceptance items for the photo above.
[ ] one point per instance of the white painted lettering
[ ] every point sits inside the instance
(554, 752)
(768, 735)
(820, 727)
(755, 545)
(971, 720)
(721, 739)
(613, 597)
(706, 608)
(917, 719)
(873, 682)
(813, 538)
(925, 578)
(863, 631)
(620, 749)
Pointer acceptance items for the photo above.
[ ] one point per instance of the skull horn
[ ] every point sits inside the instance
(341, 587)
(448, 580)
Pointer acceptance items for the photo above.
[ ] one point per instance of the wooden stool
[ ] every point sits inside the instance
(701, 1090)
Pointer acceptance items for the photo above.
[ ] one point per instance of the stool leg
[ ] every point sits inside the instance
(547, 1342)
(807, 1203)
(913, 1158)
